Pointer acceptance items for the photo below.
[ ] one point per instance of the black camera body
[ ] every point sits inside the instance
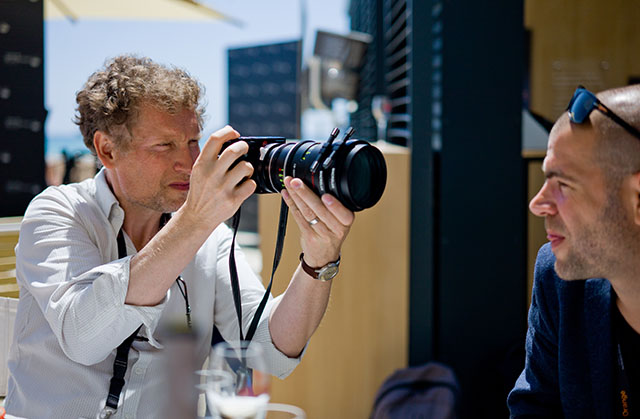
(353, 171)
(258, 145)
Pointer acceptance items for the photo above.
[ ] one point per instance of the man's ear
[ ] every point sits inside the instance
(105, 148)
(634, 183)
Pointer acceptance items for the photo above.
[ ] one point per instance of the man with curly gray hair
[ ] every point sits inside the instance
(106, 264)
(110, 100)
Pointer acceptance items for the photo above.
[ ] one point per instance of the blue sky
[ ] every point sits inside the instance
(74, 50)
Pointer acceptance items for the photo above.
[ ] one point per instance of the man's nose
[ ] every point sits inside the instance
(542, 204)
(186, 158)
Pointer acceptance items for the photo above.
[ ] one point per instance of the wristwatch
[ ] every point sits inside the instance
(325, 273)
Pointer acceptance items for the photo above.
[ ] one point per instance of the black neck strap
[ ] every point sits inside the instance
(122, 354)
(119, 369)
(233, 271)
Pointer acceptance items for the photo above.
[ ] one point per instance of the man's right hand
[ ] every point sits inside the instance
(216, 190)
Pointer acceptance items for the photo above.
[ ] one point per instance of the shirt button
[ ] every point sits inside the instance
(139, 371)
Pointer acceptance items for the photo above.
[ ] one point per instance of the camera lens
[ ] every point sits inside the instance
(365, 178)
(357, 176)
(353, 171)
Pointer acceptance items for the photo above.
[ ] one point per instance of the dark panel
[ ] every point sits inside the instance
(417, 132)
(21, 176)
(263, 89)
(22, 112)
(454, 74)
(21, 53)
(21, 85)
(21, 24)
(16, 120)
(366, 16)
(482, 264)
(399, 41)
(264, 99)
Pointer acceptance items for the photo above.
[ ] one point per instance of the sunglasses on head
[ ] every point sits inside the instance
(583, 102)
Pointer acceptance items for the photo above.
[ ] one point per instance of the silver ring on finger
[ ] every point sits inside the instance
(313, 222)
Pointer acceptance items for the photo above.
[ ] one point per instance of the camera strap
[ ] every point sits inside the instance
(122, 356)
(120, 363)
(233, 271)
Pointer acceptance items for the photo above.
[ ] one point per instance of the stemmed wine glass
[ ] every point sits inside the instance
(244, 394)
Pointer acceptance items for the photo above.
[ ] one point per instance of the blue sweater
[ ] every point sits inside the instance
(569, 366)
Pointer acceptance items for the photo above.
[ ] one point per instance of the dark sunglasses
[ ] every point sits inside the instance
(583, 102)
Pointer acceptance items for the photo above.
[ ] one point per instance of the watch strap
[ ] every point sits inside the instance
(314, 272)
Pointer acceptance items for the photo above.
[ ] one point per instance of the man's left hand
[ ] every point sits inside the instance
(321, 239)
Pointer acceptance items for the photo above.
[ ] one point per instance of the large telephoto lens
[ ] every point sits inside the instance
(353, 171)
(357, 176)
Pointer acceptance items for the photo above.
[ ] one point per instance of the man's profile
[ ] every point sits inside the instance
(583, 342)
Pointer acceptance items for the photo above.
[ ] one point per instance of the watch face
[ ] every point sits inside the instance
(328, 272)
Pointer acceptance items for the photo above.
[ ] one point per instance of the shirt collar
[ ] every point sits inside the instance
(107, 201)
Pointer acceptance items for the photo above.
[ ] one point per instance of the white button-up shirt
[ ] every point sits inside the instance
(72, 313)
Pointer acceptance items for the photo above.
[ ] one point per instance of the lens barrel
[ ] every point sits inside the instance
(353, 171)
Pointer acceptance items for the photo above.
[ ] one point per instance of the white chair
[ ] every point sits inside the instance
(9, 292)
(8, 308)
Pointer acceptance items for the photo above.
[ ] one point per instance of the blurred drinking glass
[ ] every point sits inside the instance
(248, 396)
(284, 411)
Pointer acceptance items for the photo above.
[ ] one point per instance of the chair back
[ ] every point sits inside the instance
(9, 233)
(8, 309)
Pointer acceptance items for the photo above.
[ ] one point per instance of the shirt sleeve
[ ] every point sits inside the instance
(536, 392)
(61, 263)
(252, 292)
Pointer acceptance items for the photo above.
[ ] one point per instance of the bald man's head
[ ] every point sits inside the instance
(617, 152)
